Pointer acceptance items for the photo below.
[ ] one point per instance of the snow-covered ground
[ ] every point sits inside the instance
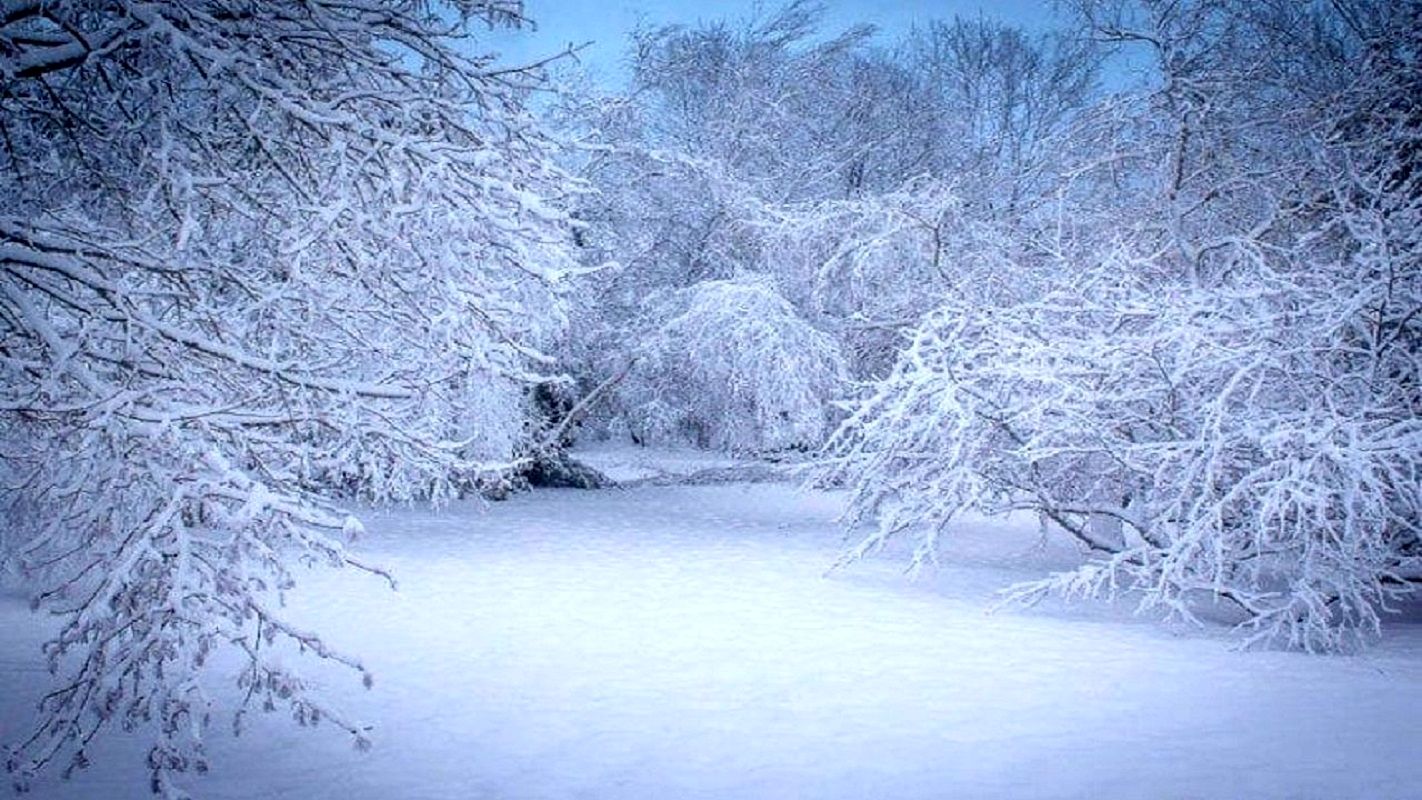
(684, 642)
(626, 462)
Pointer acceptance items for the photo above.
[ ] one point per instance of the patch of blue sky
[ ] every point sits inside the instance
(603, 25)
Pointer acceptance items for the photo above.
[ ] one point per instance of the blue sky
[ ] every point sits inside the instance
(606, 22)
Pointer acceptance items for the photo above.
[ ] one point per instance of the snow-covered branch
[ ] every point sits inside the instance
(254, 260)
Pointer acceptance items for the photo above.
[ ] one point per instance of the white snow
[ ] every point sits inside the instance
(624, 461)
(679, 642)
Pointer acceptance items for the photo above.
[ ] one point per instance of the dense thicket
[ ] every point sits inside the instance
(846, 177)
(1179, 319)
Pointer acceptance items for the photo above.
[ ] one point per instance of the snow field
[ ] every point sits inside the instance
(679, 642)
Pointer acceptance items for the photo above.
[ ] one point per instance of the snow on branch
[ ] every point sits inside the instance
(730, 365)
(255, 260)
(1219, 397)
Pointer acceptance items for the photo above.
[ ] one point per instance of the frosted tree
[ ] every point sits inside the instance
(254, 257)
(680, 165)
(994, 103)
(767, 97)
(729, 365)
(690, 152)
(836, 169)
(1224, 401)
(869, 268)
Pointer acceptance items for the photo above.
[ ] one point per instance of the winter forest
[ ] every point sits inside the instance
(978, 409)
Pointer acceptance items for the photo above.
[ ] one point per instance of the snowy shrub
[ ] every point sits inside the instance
(252, 256)
(730, 365)
(1175, 436)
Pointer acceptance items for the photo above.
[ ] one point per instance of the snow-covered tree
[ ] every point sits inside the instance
(1224, 402)
(993, 102)
(253, 257)
(836, 168)
(729, 365)
(869, 268)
